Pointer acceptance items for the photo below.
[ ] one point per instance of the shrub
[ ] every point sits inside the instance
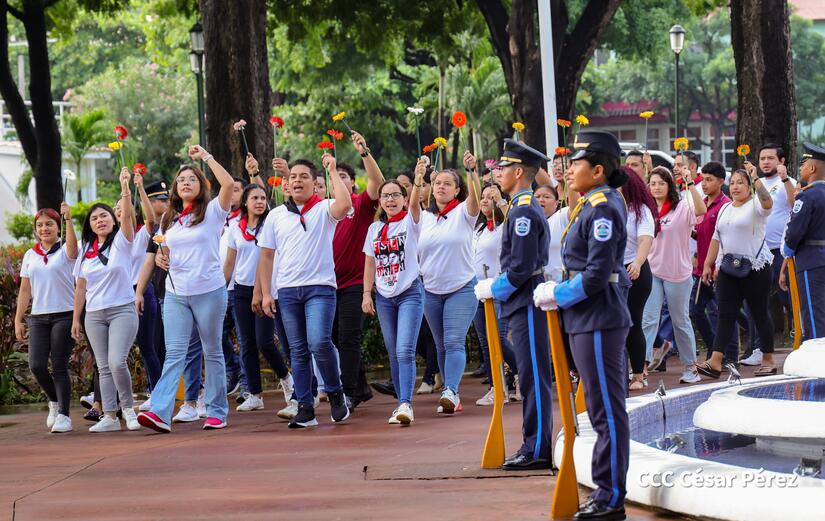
(19, 226)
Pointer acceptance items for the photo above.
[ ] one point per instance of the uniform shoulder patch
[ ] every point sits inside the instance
(597, 199)
(522, 226)
(524, 200)
(602, 230)
(797, 206)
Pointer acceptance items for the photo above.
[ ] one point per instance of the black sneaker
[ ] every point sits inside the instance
(338, 406)
(93, 415)
(384, 387)
(304, 418)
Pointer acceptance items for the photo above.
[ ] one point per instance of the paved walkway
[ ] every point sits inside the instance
(258, 469)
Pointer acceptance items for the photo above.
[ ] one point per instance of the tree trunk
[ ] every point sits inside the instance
(516, 41)
(766, 108)
(237, 82)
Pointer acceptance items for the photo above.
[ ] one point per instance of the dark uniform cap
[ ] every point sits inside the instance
(157, 190)
(813, 152)
(595, 141)
(519, 153)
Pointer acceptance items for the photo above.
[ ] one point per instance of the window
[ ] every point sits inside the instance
(627, 135)
(653, 138)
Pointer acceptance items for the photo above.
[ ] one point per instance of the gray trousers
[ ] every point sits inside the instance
(111, 333)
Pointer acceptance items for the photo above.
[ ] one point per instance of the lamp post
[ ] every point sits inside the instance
(196, 63)
(677, 43)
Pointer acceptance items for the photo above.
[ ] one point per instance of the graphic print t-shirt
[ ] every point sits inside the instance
(396, 259)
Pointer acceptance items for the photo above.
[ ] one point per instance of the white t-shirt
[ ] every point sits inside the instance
(487, 252)
(779, 213)
(305, 256)
(645, 226)
(109, 285)
(52, 284)
(139, 243)
(741, 230)
(557, 222)
(396, 261)
(224, 244)
(246, 255)
(445, 250)
(195, 263)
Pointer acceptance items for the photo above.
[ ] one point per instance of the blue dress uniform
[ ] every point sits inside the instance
(593, 300)
(805, 241)
(524, 252)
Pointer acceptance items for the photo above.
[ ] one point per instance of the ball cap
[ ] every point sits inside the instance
(589, 141)
(516, 152)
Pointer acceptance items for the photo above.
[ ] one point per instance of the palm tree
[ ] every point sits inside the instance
(81, 132)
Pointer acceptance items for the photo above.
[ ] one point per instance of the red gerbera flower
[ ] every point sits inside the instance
(459, 119)
(275, 121)
(139, 169)
(274, 181)
(121, 133)
(325, 145)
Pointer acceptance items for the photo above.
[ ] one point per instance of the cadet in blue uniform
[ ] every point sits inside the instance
(524, 252)
(593, 299)
(805, 241)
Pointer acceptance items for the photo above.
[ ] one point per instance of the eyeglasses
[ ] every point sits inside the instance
(190, 179)
(393, 195)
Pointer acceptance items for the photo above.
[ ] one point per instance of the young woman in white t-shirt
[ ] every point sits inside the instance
(104, 288)
(190, 235)
(46, 281)
(740, 231)
(391, 264)
(445, 252)
(256, 334)
(487, 264)
(557, 220)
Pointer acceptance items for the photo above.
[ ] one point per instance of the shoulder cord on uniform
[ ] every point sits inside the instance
(577, 210)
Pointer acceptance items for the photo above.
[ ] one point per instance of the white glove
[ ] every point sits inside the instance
(484, 289)
(544, 296)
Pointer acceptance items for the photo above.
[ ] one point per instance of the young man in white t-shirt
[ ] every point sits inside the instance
(301, 232)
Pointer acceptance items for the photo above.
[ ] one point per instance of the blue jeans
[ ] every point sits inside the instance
(480, 323)
(450, 317)
(400, 319)
(193, 369)
(230, 357)
(308, 312)
(179, 315)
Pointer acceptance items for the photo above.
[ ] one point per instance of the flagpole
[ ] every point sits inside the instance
(548, 78)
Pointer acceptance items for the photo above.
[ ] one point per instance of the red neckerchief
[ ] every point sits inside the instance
(45, 254)
(93, 252)
(666, 207)
(681, 182)
(242, 224)
(138, 228)
(447, 209)
(394, 219)
(186, 211)
(97, 251)
(292, 206)
(490, 224)
(232, 215)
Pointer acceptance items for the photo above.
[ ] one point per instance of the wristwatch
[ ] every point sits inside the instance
(365, 154)
(786, 179)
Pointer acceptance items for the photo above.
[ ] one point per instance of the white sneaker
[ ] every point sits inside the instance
(200, 405)
(289, 411)
(516, 396)
(106, 424)
(130, 416)
(690, 376)
(146, 405)
(53, 406)
(754, 359)
(449, 402)
(425, 388)
(186, 414)
(88, 401)
(62, 424)
(403, 414)
(394, 418)
(252, 403)
(288, 387)
(487, 399)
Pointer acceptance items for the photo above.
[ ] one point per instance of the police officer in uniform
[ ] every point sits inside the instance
(524, 252)
(593, 300)
(805, 241)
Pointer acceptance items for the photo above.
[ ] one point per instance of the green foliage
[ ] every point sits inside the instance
(809, 69)
(20, 226)
(22, 188)
(81, 132)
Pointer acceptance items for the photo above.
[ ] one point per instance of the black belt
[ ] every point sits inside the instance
(814, 242)
(569, 274)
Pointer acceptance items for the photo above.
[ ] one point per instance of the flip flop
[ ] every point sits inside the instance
(707, 370)
(765, 371)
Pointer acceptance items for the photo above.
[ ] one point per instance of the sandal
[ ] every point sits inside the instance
(765, 370)
(706, 370)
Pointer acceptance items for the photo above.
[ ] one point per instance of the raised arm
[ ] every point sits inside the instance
(418, 183)
(251, 165)
(473, 186)
(786, 182)
(127, 209)
(145, 203)
(197, 153)
(374, 175)
(71, 236)
(343, 201)
(765, 199)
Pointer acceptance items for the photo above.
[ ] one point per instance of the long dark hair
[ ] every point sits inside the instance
(88, 236)
(498, 215)
(176, 203)
(637, 196)
(245, 197)
(672, 189)
(459, 182)
(380, 214)
(614, 175)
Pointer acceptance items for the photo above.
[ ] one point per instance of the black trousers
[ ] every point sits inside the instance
(754, 289)
(425, 347)
(812, 302)
(346, 334)
(636, 299)
(528, 327)
(50, 338)
(256, 336)
(600, 359)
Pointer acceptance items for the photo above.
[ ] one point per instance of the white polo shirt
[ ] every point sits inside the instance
(139, 243)
(396, 259)
(305, 256)
(445, 250)
(780, 211)
(247, 254)
(195, 262)
(557, 223)
(52, 284)
(108, 285)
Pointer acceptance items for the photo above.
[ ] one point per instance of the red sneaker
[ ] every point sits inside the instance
(152, 421)
(213, 424)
